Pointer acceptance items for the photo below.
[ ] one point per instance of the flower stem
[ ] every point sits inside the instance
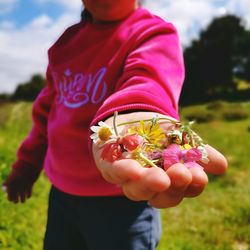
(146, 160)
(190, 134)
(148, 120)
(114, 123)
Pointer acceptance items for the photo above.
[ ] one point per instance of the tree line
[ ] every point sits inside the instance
(27, 91)
(215, 64)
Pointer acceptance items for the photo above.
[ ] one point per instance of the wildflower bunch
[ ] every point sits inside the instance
(148, 143)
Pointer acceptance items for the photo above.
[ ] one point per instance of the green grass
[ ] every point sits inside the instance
(219, 219)
(21, 226)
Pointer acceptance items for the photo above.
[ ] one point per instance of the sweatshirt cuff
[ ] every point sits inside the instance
(104, 115)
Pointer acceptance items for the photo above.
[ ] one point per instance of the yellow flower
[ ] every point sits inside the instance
(150, 131)
(185, 146)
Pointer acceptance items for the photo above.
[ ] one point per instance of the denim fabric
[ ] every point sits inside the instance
(100, 223)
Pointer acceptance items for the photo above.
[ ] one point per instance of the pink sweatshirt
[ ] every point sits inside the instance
(94, 70)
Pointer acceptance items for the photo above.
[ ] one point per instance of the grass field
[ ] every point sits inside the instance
(218, 219)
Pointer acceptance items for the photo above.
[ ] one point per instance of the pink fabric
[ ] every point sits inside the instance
(94, 70)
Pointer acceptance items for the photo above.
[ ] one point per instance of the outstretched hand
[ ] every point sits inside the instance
(162, 189)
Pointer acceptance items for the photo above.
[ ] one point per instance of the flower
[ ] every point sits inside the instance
(146, 142)
(131, 142)
(150, 131)
(102, 133)
(111, 152)
(175, 136)
(185, 146)
(175, 154)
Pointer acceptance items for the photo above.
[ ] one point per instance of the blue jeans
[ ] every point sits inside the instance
(100, 223)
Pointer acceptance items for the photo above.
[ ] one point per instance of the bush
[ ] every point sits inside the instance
(216, 105)
(29, 91)
(235, 114)
(201, 116)
(4, 98)
(5, 113)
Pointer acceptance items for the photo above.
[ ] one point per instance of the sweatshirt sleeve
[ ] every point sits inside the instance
(33, 149)
(152, 76)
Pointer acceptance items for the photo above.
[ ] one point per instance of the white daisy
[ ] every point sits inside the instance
(102, 132)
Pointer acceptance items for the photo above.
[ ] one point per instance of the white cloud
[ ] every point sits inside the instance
(41, 22)
(73, 4)
(187, 16)
(68, 4)
(7, 5)
(23, 52)
(241, 8)
(190, 16)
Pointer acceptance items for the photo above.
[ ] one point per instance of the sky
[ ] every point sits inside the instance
(29, 27)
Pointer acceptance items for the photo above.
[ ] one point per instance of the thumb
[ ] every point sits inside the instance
(217, 162)
(4, 187)
(121, 171)
(127, 169)
(6, 182)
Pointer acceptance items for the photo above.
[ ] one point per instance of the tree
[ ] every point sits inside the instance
(221, 54)
(28, 91)
(243, 69)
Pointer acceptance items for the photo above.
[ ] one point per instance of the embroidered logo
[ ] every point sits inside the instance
(76, 90)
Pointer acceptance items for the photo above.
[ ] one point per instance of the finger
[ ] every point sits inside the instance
(136, 192)
(29, 193)
(12, 194)
(22, 196)
(198, 184)
(118, 171)
(121, 171)
(165, 200)
(153, 180)
(107, 176)
(180, 178)
(217, 162)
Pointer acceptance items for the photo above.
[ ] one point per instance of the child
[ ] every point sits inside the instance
(119, 58)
